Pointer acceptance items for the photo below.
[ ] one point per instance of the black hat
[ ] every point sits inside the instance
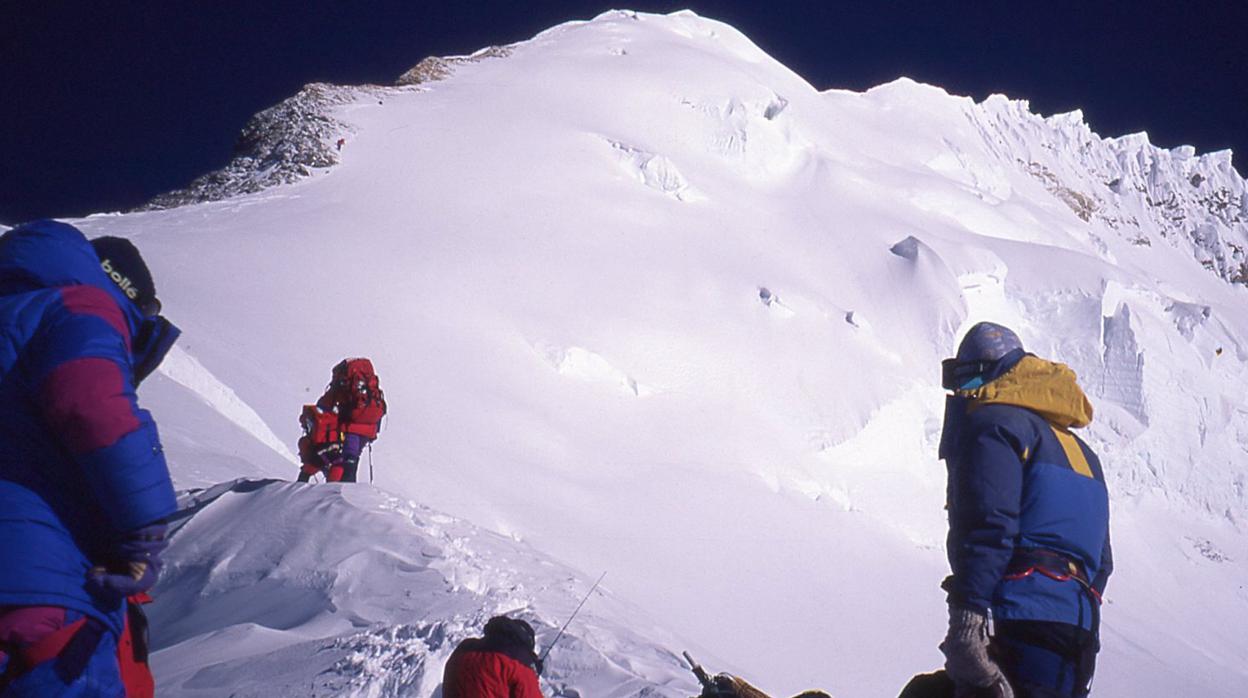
(121, 262)
(514, 630)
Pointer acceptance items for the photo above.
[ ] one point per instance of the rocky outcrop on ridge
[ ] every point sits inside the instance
(279, 145)
(291, 140)
(435, 68)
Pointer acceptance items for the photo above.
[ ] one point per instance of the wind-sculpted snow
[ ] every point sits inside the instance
(655, 171)
(281, 589)
(590, 367)
(643, 299)
(185, 370)
(1128, 186)
(1123, 377)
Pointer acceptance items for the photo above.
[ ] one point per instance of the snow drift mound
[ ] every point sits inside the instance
(283, 589)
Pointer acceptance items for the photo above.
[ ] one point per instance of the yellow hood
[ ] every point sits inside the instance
(1048, 388)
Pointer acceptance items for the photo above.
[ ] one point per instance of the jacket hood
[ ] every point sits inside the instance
(49, 254)
(1048, 388)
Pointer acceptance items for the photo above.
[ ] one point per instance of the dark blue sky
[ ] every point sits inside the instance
(106, 104)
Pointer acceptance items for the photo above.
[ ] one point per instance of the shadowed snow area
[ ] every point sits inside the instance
(286, 589)
(643, 300)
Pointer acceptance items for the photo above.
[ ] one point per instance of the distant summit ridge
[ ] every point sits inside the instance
(280, 145)
(1124, 186)
(1143, 192)
(435, 68)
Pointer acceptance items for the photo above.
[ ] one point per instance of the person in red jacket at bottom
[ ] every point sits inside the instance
(503, 664)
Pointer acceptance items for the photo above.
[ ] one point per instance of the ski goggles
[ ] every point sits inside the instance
(151, 308)
(154, 339)
(954, 374)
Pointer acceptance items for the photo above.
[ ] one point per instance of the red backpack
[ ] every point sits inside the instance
(319, 426)
(320, 429)
(358, 396)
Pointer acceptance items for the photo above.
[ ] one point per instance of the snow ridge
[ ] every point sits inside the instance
(435, 68)
(185, 370)
(370, 594)
(1143, 193)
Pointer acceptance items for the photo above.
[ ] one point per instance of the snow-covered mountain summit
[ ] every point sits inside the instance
(1147, 193)
(644, 300)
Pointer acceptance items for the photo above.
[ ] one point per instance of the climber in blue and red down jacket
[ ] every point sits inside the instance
(503, 664)
(1028, 523)
(84, 488)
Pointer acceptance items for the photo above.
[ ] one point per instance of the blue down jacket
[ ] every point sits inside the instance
(1019, 479)
(80, 463)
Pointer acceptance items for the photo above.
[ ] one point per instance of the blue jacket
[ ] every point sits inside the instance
(81, 464)
(1019, 479)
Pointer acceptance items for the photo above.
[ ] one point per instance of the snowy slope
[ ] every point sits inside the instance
(278, 589)
(644, 300)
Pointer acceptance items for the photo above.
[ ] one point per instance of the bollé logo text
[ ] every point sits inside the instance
(123, 282)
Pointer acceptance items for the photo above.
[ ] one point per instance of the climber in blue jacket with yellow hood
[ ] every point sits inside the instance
(84, 488)
(1028, 523)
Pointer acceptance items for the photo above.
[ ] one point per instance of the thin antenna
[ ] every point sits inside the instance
(551, 646)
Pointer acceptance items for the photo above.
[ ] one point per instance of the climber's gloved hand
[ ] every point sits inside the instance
(966, 656)
(134, 565)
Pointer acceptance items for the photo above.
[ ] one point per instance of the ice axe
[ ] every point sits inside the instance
(546, 652)
(729, 686)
